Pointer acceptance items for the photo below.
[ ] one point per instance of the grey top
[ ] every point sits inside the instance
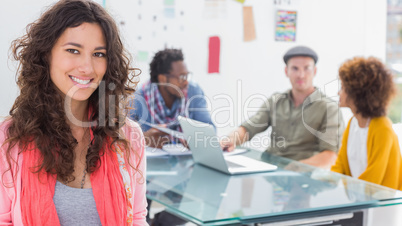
(75, 206)
(298, 132)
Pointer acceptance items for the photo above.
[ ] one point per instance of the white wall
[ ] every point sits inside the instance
(336, 29)
(14, 16)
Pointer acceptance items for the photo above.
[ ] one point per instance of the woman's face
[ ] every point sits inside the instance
(78, 61)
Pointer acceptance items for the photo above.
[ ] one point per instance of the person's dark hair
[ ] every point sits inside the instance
(162, 62)
(38, 116)
(369, 85)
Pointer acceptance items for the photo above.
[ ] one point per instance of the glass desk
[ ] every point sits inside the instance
(293, 192)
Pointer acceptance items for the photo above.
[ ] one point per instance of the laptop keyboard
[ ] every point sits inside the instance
(233, 165)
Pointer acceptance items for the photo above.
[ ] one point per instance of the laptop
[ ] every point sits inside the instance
(206, 150)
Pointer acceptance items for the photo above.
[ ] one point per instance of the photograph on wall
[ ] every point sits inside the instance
(285, 29)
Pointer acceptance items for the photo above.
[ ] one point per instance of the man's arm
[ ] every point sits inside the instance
(139, 112)
(155, 138)
(198, 106)
(237, 137)
(329, 144)
(256, 124)
(324, 159)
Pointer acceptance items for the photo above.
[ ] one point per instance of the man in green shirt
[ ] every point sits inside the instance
(306, 125)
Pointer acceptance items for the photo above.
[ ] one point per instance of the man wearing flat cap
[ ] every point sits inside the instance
(306, 125)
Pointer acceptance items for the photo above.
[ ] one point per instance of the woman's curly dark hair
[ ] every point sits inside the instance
(162, 62)
(38, 116)
(368, 84)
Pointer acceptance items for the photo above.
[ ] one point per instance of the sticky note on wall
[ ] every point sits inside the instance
(214, 53)
(169, 12)
(169, 2)
(142, 56)
(248, 24)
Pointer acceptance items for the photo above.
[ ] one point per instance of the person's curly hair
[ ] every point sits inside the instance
(162, 62)
(368, 84)
(38, 116)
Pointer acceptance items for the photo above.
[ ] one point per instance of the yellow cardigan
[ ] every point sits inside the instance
(384, 161)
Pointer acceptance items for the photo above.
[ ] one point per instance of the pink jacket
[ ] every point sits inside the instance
(10, 207)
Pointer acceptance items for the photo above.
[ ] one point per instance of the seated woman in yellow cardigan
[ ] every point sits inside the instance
(370, 149)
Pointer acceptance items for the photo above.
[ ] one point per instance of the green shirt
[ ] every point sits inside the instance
(298, 132)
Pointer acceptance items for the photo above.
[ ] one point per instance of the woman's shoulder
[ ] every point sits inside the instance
(4, 126)
(13, 153)
(381, 122)
(133, 134)
(131, 126)
(381, 125)
(135, 138)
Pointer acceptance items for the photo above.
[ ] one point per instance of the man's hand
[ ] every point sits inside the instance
(237, 137)
(227, 144)
(324, 159)
(156, 138)
(184, 143)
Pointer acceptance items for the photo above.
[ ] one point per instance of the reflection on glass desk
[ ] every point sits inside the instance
(294, 191)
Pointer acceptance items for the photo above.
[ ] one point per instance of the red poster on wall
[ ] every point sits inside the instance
(214, 53)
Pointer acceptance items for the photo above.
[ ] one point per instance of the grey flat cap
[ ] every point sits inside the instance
(300, 51)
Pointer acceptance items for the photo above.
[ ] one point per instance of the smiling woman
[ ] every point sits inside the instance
(68, 152)
(79, 59)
